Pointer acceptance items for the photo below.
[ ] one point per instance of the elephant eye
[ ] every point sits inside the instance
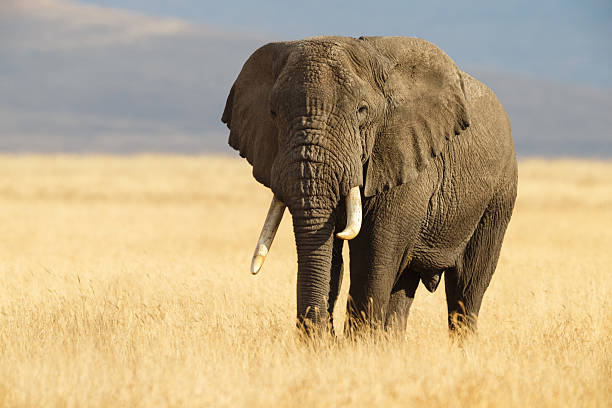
(362, 113)
(272, 113)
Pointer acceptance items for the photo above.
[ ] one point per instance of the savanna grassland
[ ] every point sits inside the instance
(124, 282)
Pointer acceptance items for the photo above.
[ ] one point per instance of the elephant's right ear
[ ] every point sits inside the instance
(426, 108)
(247, 110)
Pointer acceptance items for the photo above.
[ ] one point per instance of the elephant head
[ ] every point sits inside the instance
(324, 118)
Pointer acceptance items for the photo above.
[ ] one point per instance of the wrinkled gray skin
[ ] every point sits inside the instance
(430, 147)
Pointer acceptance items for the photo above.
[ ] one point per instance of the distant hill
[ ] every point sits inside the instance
(554, 119)
(79, 78)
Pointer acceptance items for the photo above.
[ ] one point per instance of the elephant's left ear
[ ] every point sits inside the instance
(426, 107)
(247, 109)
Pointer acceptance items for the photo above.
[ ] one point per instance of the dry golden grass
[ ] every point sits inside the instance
(124, 282)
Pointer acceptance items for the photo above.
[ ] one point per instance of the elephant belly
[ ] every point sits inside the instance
(455, 207)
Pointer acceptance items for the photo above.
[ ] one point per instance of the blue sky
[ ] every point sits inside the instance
(78, 77)
(567, 41)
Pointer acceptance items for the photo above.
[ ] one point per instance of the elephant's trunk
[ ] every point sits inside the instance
(314, 223)
(314, 242)
(312, 178)
(275, 215)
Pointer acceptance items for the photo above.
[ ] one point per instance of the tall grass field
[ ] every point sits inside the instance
(124, 282)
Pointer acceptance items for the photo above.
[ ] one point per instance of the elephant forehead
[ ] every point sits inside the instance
(312, 94)
(319, 63)
(328, 50)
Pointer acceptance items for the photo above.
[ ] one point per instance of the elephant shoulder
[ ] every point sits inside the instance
(486, 111)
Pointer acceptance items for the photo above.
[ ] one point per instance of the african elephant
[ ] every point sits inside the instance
(390, 128)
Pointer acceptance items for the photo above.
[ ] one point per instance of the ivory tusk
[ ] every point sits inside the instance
(353, 215)
(268, 231)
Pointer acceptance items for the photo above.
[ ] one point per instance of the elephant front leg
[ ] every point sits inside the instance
(372, 278)
(400, 301)
(335, 284)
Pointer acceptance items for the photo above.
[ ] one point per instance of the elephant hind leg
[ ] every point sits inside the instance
(466, 283)
(400, 301)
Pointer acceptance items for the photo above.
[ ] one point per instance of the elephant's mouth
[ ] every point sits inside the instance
(275, 215)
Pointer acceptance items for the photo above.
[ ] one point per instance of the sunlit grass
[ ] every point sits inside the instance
(124, 282)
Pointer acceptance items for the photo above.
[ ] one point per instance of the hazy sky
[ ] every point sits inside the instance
(77, 77)
(569, 41)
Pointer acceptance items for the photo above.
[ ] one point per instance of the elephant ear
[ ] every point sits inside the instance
(426, 107)
(247, 109)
